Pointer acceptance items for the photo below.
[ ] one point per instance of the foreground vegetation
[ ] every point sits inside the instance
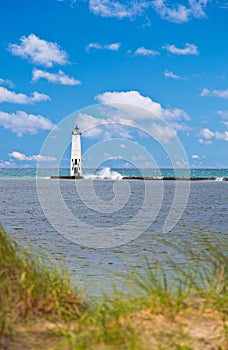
(40, 309)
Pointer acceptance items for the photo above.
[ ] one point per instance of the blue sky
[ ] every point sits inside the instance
(170, 58)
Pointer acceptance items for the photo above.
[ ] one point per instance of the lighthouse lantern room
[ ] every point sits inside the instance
(76, 154)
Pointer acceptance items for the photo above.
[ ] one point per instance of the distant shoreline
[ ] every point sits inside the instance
(118, 174)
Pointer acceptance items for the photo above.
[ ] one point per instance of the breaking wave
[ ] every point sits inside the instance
(219, 179)
(104, 174)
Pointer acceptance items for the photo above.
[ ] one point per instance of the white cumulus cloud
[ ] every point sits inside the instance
(55, 78)
(221, 135)
(6, 82)
(142, 51)
(179, 13)
(97, 46)
(134, 98)
(95, 127)
(39, 51)
(208, 135)
(116, 9)
(120, 114)
(168, 74)
(188, 49)
(174, 12)
(162, 133)
(22, 123)
(216, 93)
(195, 156)
(12, 97)
(38, 157)
(172, 114)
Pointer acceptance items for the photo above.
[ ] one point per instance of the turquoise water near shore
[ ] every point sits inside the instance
(30, 173)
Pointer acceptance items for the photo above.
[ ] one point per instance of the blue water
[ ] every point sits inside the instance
(30, 173)
(21, 213)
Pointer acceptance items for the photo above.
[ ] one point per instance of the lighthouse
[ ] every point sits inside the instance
(76, 154)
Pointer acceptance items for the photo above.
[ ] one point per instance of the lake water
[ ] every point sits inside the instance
(98, 269)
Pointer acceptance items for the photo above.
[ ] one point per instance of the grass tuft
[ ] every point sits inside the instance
(28, 288)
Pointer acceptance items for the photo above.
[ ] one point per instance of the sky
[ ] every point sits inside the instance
(168, 58)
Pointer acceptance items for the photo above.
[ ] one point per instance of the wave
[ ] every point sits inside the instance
(219, 179)
(105, 174)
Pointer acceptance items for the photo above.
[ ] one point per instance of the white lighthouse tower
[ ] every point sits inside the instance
(76, 153)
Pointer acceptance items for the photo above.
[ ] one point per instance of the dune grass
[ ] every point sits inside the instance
(30, 289)
(40, 309)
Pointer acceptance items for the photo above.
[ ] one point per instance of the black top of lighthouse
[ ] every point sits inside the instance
(76, 131)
